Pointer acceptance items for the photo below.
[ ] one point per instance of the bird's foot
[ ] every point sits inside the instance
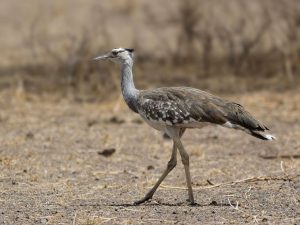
(146, 198)
(191, 201)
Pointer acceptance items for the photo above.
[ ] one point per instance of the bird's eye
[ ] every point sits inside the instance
(114, 53)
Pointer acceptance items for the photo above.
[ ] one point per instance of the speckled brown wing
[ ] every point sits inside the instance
(162, 106)
(179, 105)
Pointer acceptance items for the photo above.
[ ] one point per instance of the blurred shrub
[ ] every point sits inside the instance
(207, 39)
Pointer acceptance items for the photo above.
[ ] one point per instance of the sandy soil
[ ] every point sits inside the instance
(53, 170)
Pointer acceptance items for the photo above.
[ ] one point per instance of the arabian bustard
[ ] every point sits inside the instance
(174, 109)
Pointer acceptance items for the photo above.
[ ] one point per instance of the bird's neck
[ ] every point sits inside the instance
(130, 93)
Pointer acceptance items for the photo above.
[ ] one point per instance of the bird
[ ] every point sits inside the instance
(172, 110)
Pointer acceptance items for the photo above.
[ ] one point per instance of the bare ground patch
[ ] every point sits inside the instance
(53, 170)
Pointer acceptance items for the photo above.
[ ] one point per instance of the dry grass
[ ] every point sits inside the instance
(51, 130)
(51, 171)
(48, 47)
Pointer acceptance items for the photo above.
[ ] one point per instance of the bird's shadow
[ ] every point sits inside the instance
(151, 204)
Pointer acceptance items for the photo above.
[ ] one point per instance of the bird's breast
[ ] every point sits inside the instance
(153, 123)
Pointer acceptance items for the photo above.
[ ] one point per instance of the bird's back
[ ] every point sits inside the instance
(179, 106)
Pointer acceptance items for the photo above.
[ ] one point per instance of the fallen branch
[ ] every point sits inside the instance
(250, 179)
(296, 156)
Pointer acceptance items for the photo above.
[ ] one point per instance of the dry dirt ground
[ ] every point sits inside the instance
(52, 170)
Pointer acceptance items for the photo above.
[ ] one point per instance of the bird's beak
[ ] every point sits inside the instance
(106, 56)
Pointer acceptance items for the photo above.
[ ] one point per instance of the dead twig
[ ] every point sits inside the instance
(160, 220)
(105, 219)
(74, 219)
(236, 207)
(250, 179)
(295, 156)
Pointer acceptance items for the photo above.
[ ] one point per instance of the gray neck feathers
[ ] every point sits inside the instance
(130, 93)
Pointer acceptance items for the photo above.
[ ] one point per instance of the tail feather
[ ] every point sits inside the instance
(236, 114)
(262, 135)
(258, 133)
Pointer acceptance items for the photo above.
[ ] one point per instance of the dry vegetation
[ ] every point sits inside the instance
(66, 160)
(54, 169)
(210, 44)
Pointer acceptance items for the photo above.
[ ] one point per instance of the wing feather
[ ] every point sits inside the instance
(182, 104)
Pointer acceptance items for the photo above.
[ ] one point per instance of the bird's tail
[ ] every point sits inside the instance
(262, 135)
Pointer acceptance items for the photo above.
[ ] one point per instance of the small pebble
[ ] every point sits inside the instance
(116, 120)
(150, 167)
(213, 203)
(107, 152)
(29, 135)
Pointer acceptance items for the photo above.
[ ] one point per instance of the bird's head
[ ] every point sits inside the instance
(119, 55)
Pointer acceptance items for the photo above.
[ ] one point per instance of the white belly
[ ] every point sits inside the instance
(155, 124)
(161, 125)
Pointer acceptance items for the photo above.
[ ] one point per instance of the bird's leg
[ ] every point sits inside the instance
(171, 164)
(186, 162)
